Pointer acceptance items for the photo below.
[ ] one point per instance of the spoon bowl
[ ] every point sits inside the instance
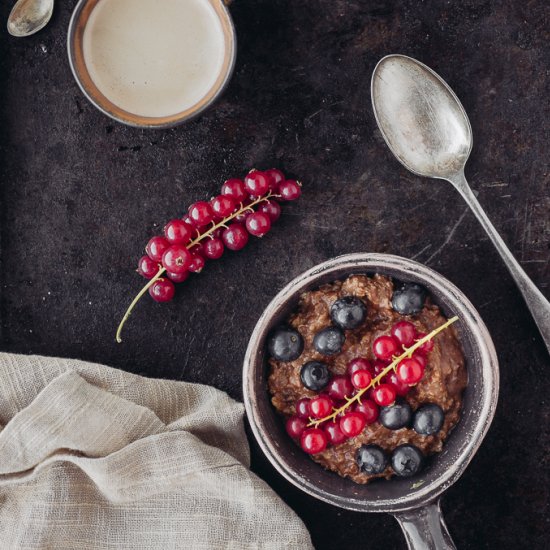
(427, 129)
(420, 117)
(29, 16)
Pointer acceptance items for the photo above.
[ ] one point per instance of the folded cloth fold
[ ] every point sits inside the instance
(96, 458)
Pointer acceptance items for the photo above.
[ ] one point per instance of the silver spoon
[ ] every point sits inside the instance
(29, 16)
(427, 129)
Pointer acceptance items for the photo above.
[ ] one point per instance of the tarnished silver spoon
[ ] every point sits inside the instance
(427, 129)
(29, 16)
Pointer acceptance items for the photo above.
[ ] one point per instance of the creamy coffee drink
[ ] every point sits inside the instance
(154, 58)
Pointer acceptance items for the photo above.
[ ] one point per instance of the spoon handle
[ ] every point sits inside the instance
(536, 302)
(424, 528)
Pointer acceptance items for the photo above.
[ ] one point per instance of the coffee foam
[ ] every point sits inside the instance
(154, 58)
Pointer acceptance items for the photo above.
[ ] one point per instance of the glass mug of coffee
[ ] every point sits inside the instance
(152, 63)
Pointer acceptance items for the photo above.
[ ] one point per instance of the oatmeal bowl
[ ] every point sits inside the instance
(369, 382)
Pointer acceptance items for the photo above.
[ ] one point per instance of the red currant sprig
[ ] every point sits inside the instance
(404, 365)
(251, 204)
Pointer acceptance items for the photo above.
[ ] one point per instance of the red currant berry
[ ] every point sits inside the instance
(401, 388)
(155, 248)
(241, 218)
(147, 268)
(339, 387)
(176, 259)
(162, 290)
(404, 332)
(426, 347)
(334, 434)
(197, 263)
(361, 379)
(275, 178)
(217, 233)
(352, 423)
(384, 347)
(410, 371)
(258, 224)
(197, 250)
(196, 229)
(200, 213)
(272, 209)
(302, 407)
(235, 189)
(222, 206)
(256, 183)
(290, 190)
(369, 409)
(295, 426)
(313, 441)
(235, 236)
(178, 277)
(384, 395)
(359, 364)
(213, 249)
(420, 358)
(379, 366)
(320, 406)
(178, 232)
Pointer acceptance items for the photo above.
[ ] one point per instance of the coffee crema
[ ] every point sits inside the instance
(154, 58)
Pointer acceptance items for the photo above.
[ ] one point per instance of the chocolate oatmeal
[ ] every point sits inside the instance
(355, 327)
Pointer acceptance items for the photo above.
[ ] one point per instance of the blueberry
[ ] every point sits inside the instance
(315, 375)
(409, 299)
(285, 344)
(406, 460)
(396, 416)
(348, 312)
(329, 340)
(371, 459)
(428, 419)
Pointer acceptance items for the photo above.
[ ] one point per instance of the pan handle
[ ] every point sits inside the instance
(425, 529)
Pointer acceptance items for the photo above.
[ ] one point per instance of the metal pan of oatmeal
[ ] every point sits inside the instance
(413, 500)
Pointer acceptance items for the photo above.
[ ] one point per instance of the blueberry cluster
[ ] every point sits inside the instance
(347, 313)
(406, 460)
(427, 420)
(286, 344)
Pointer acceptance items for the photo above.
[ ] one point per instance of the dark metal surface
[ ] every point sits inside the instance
(80, 196)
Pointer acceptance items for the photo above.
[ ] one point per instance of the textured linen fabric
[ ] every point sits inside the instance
(95, 458)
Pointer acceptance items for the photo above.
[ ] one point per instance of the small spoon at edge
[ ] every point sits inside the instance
(29, 16)
(427, 129)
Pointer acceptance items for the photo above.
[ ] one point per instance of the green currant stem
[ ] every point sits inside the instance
(201, 236)
(392, 366)
(136, 300)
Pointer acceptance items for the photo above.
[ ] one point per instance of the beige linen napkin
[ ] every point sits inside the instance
(96, 458)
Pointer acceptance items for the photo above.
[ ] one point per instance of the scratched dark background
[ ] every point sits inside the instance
(81, 195)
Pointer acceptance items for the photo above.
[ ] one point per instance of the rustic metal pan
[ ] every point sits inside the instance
(413, 501)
